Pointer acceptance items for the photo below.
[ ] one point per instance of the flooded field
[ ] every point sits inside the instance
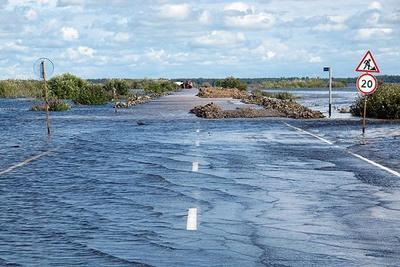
(114, 192)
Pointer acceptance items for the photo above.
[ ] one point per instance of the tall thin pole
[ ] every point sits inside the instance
(364, 115)
(330, 92)
(46, 97)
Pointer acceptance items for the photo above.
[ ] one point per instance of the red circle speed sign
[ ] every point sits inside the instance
(367, 84)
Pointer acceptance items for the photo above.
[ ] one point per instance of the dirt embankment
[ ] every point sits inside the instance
(272, 107)
(219, 92)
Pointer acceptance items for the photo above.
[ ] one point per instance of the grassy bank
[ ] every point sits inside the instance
(383, 104)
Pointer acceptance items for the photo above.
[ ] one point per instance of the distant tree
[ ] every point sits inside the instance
(231, 82)
(121, 86)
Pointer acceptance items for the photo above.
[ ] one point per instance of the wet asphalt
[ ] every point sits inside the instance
(115, 192)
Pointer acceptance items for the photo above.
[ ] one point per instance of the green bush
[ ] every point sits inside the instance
(66, 86)
(158, 86)
(93, 94)
(383, 104)
(121, 86)
(231, 82)
(54, 105)
(20, 88)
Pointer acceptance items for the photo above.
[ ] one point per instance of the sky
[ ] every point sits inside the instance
(203, 38)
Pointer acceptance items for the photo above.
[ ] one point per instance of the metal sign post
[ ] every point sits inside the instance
(44, 68)
(46, 97)
(329, 69)
(366, 84)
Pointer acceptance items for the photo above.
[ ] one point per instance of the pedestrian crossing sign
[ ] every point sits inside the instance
(368, 64)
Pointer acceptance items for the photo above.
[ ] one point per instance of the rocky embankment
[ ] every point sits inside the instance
(136, 100)
(213, 111)
(273, 107)
(290, 109)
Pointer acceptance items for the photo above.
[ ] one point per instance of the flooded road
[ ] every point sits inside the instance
(111, 192)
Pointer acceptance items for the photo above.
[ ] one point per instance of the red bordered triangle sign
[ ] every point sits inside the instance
(368, 64)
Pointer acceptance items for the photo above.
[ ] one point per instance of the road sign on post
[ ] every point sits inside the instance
(368, 64)
(367, 83)
(330, 89)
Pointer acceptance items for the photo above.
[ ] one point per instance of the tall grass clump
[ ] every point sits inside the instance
(92, 94)
(383, 104)
(121, 87)
(301, 83)
(20, 88)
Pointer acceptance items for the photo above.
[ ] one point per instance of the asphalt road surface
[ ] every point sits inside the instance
(107, 191)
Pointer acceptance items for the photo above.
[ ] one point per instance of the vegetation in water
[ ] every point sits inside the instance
(92, 94)
(54, 105)
(121, 87)
(20, 88)
(66, 86)
(383, 104)
(302, 83)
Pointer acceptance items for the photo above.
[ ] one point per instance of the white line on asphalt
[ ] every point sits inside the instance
(191, 224)
(23, 163)
(351, 153)
(303, 131)
(195, 166)
(375, 164)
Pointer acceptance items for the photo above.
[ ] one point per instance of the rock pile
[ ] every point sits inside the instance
(213, 111)
(290, 109)
(133, 101)
(219, 92)
(209, 111)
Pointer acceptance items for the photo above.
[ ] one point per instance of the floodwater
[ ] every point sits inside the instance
(318, 99)
(115, 193)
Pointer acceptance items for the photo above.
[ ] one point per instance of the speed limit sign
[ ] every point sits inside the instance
(367, 84)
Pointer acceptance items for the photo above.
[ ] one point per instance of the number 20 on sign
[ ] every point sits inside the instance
(367, 84)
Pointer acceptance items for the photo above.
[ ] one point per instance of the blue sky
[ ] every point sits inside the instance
(203, 38)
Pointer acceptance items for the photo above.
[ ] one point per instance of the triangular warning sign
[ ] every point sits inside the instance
(368, 64)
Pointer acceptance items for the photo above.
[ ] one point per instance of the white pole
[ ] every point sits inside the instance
(330, 92)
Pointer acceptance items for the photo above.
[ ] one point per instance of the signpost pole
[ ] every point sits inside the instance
(364, 115)
(330, 92)
(46, 97)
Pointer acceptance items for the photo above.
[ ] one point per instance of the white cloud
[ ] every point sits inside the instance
(330, 27)
(261, 20)
(31, 14)
(122, 37)
(14, 46)
(315, 59)
(370, 33)
(69, 33)
(65, 3)
(237, 6)
(375, 5)
(177, 12)
(270, 49)
(156, 54)
(86, 51)
(220, 38)
(76, 54)
(205, 17)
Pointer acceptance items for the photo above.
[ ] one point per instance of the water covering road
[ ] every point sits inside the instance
(115, 193)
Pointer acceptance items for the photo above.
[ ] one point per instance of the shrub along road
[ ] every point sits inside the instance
(267, 191)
